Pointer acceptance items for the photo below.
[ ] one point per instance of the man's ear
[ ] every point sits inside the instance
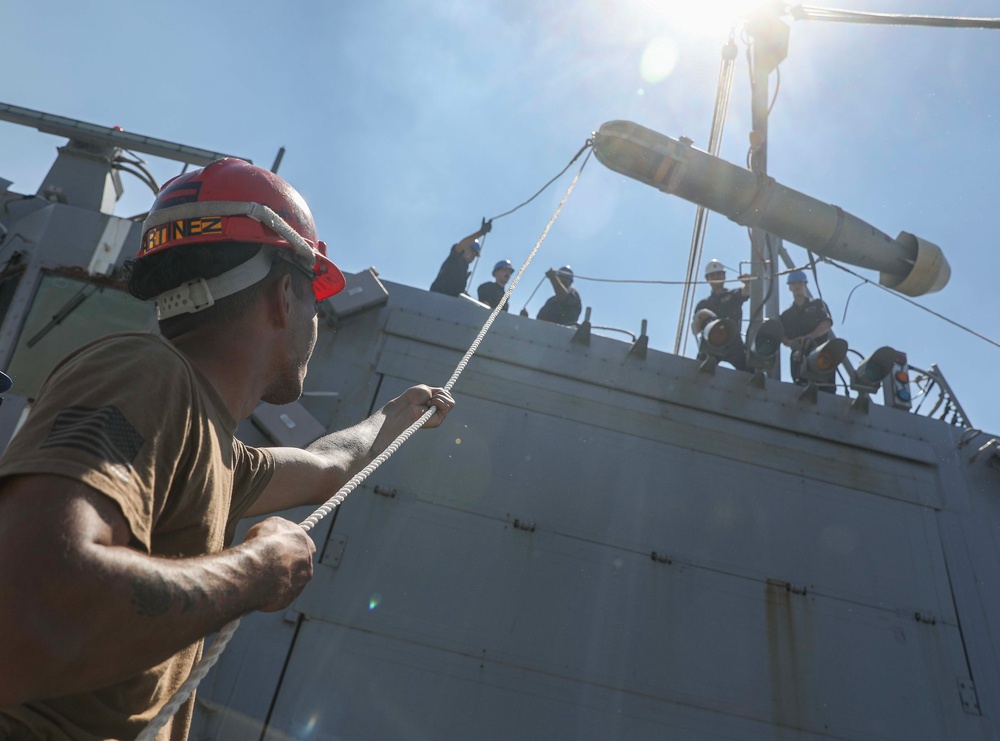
(279, 301)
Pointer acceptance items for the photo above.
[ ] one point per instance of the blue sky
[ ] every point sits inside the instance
(407, 122)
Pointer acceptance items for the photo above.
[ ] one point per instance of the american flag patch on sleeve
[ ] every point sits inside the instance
(104, 433)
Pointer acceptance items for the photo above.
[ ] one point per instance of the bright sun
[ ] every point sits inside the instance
(706, 17)
(709, 19)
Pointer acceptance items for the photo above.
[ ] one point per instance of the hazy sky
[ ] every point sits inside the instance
(406, 122)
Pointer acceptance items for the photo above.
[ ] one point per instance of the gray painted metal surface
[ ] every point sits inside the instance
(594, 546)
(598, 547)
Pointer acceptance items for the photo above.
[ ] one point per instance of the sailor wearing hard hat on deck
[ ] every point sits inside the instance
(491, 293)
(565, 306)
(723, 303)
(807, 323)
(454, 271)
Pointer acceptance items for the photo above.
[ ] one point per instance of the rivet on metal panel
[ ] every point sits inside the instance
(661, 557)
(925, 618)
(528, 527)
(970, 701)
(384, 492)
(335, 552)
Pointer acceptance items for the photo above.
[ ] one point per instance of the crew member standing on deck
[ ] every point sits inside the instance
(491, 293)
(120, 494)
(723, 303)
(807, 324)
(565, 306)
(454, 272)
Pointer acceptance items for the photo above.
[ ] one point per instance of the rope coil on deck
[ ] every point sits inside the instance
(211, 655)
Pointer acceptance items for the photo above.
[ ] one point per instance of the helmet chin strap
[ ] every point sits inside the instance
(200, 293)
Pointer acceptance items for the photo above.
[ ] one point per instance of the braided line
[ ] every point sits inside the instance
(183, 692)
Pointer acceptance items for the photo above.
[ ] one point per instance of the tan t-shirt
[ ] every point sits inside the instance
(129, 416)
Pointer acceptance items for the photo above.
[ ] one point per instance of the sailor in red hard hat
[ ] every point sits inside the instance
(120, 494)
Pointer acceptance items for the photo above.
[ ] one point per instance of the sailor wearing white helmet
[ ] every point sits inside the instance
(723, 303)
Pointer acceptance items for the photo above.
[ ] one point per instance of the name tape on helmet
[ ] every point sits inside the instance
(179, 229)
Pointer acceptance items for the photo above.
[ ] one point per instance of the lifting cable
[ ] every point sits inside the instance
(524, 309)
(651, 281)
(586, 145)
(482, 242)
(211, 656)
(722, 96)
(911, 301)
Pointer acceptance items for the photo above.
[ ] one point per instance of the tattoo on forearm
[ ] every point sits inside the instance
(154, 596)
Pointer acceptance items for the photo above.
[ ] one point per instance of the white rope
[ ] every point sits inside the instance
(185, 690)
(723, 95)
(211, 656)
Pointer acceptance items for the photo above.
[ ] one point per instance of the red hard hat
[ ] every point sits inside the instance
(231, 200)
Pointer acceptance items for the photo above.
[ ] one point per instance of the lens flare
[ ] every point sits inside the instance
(710, 17)
(375, 601)
(310, 725)
(658, 60)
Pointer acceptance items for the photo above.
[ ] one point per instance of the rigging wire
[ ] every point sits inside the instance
(777, 87)
(524, 309)
(586, 145)
(812, 264)
(211, 656)
(973, 332)
(146, 181)
(482, 242)
(723, 96)
(650, 281)
(847, 303)
(749, 54)
(475, 263)
(139, 164)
